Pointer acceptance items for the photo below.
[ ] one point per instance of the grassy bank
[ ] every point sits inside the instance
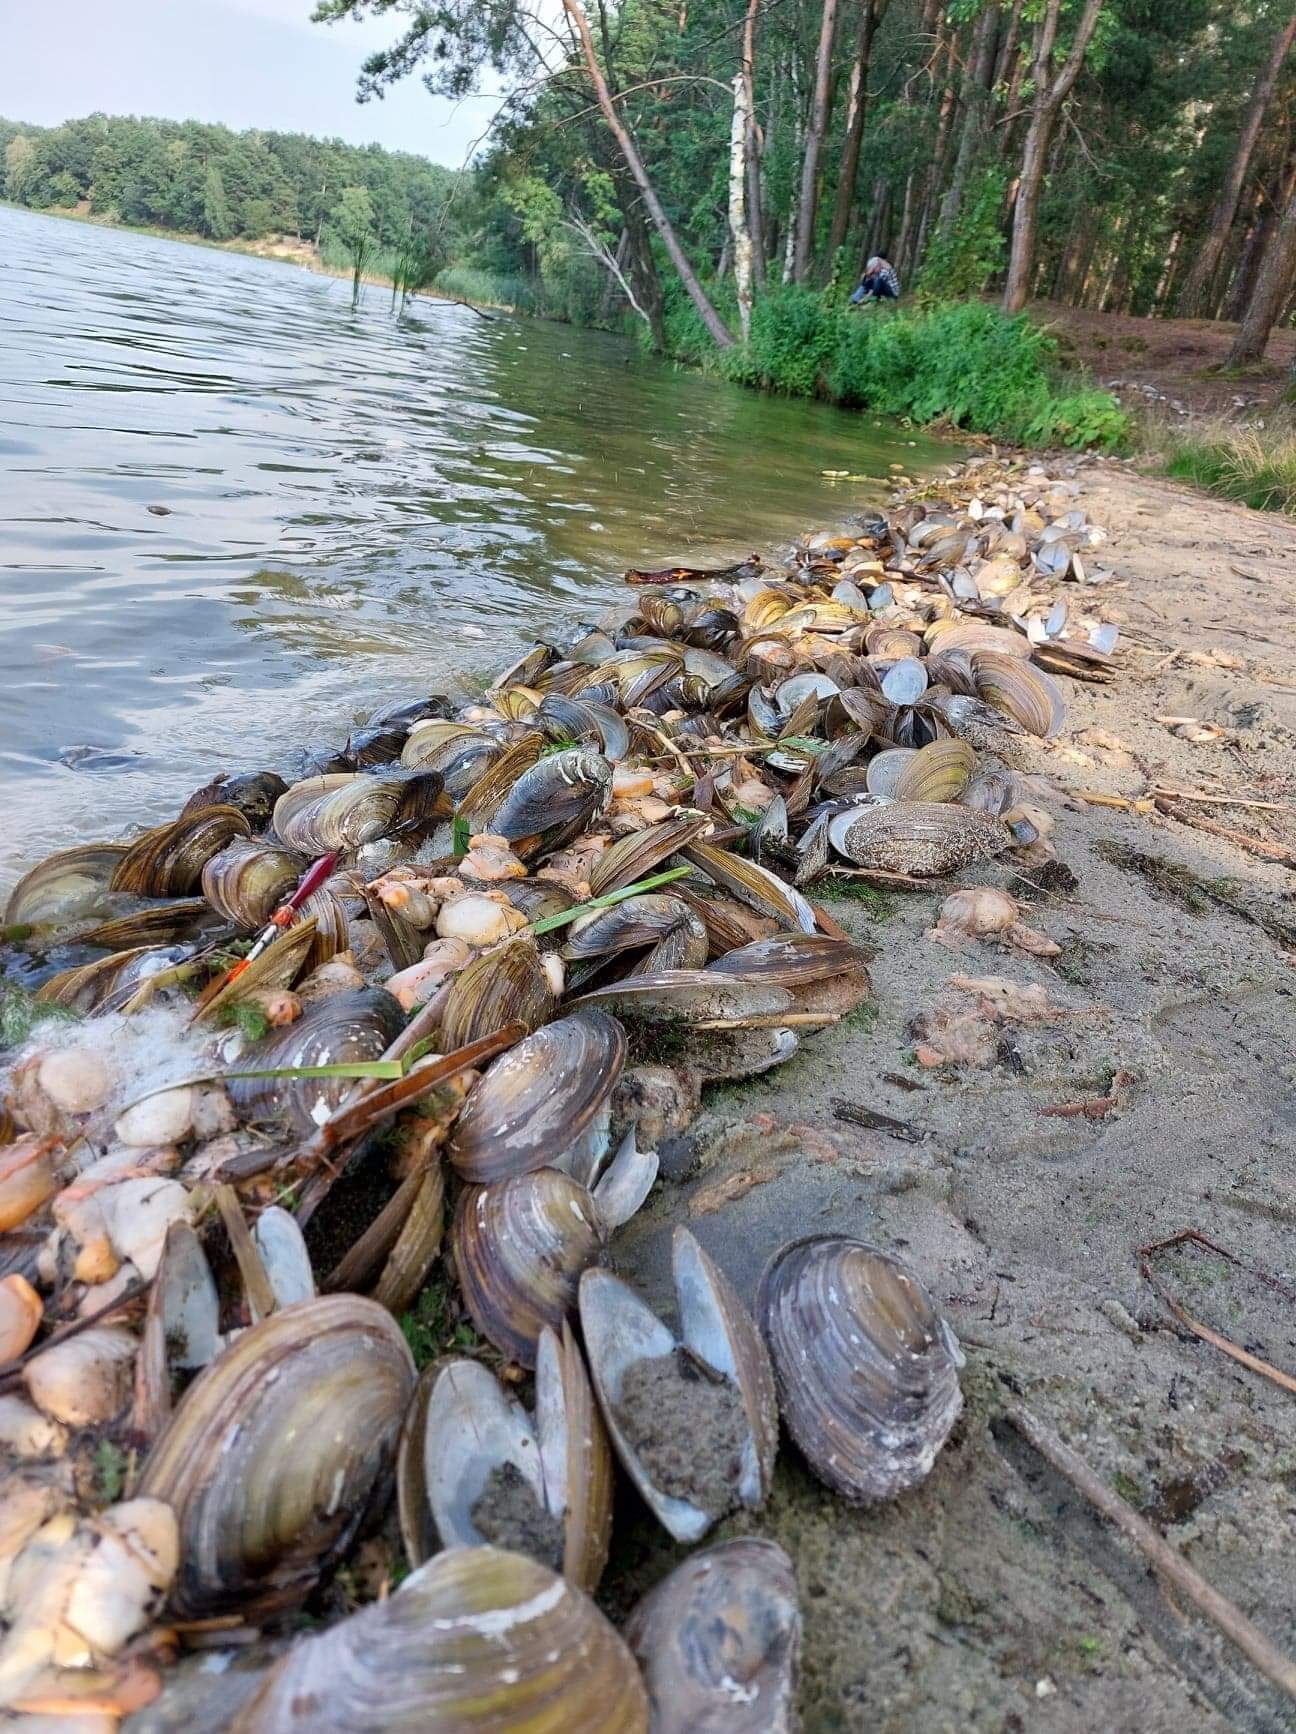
(1253, 465)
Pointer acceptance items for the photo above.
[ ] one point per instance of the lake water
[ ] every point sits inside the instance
(237, 515)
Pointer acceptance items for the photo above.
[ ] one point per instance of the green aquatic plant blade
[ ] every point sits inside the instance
(608, 900)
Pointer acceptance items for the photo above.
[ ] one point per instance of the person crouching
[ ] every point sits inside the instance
(879, 283)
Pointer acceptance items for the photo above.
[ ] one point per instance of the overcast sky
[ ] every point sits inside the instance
(245, 62)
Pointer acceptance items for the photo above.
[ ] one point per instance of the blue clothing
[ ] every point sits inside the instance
(881, 285)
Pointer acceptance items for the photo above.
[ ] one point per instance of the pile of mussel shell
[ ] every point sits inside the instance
(550, 915)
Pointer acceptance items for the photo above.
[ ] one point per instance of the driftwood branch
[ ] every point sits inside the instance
(1166, 1560)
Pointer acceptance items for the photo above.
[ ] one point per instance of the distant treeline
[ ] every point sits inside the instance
(207, 180)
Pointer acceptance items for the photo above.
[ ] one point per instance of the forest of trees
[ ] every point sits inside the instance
(206, 180)
(1121, 155)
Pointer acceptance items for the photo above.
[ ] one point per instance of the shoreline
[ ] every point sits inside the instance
(1019, 1183)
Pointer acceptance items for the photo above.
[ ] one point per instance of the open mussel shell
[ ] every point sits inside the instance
(458, 754)
(1028, 695)
(341, 1028)
(248, 880)
(475, 1639)
(753, 885)
(555, 799)
(885, 769)
(475, 1469)
(867, 1369)
(344, 811)
(168, 861)
(926, 839)
(719, 1642)
(660, 925)
(547, 1102)
(634, 857)
(64, 886)
(274, 1457)
(940, 771)
(519, 1250)
(584, 719)
(821, 974)
(687, 1481)
(505, 985)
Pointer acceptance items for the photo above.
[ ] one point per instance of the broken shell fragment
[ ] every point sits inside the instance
(719, 1642)
(475, 1639)
(867, 1369)
(259, 1522)
(692, 1420)
(475, 1469)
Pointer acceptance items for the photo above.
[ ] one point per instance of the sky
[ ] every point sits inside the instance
(248, 63)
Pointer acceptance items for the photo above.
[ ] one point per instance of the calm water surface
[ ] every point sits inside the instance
(357, 507)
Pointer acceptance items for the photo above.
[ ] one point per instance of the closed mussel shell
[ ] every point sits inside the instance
(336, 1030)
(719, 1642)
(940, 771)
(557, 797)
(546, 1102)
(821, 974)
(344, 811)
(519, 1250)
(65, 885)
(276, 1451)
(924, 838)
(867, 1370)
(632, 858)
(168, 861)
(753, 885)
(1028, 695)
(675, 934)
(248, 880)
(502, 986)
(475, 1639)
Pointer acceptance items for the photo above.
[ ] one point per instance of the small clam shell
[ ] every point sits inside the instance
(867, 1370)
(463, 1424)
(925, 838)
(21, 1311)
(519, 1250)
(547, 1102)
(940, 771)
(27, 1178)
(86, 1378)
(475, 1639)
(273, 1455)
(719, 1642)
(620, 1331)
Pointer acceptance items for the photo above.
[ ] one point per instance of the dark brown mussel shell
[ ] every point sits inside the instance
(504, 985)
(360, 1024)
(555, 800)
(168, 861)
(519, 1250)
(867, 1369)
(276, 1451)
(821, 974)
(546, 1102)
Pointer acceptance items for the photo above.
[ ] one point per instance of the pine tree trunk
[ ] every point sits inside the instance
(820, 102)
(1050, 94)
(976, 90)
(936, 168)
(1273, 284)
(901, 259)
(644, 277)
(739, 233)
(719, 331)
(870, 16)
(1212, 248)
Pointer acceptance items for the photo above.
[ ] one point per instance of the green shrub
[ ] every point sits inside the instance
(962, 362)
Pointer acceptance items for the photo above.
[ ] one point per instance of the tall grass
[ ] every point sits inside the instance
(381, 262)
(493, 289)
(1254, 465)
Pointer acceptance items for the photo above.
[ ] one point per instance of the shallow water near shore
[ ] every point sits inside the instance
(238, 515)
